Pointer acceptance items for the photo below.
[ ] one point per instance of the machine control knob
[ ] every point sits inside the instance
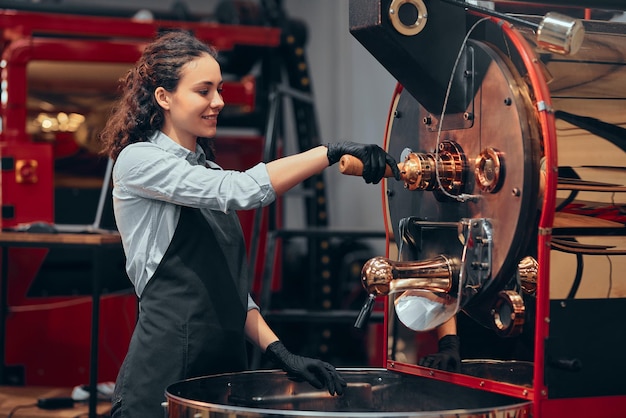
(366, 311)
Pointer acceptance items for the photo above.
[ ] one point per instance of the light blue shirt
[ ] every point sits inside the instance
(152, 179)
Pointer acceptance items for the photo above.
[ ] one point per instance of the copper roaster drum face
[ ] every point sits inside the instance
(499, 137)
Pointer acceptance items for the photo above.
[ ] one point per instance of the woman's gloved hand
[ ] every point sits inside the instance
(373, 157)
(447, 358)
(317, 372)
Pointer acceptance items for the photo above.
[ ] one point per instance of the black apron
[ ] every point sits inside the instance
(192, 314)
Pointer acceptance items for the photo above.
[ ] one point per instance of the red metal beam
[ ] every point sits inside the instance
(18, 24)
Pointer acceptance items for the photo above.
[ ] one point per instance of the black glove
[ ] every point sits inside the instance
(447, 358)
(317, 372)
(373, 157)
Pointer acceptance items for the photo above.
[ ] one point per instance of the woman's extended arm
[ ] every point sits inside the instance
(287, 172)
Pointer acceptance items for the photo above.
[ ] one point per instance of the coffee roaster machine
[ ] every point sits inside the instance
(508, 126)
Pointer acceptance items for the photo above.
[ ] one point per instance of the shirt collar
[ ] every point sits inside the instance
(171, 146)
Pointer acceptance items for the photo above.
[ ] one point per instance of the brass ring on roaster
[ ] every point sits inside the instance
(508, 313)
(412, 28)
(489, 170)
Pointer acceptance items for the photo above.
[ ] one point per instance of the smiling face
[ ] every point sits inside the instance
(191, 110)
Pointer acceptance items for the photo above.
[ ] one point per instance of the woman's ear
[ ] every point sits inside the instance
(162, 97)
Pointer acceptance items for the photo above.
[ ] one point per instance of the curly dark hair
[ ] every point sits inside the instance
(137, 115)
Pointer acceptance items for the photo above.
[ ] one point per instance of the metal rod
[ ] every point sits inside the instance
(493, 13)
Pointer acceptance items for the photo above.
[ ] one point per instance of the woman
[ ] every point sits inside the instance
(175, 210)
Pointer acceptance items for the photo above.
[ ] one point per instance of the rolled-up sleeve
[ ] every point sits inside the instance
(252, 304)
(145, 170)
(244, 190)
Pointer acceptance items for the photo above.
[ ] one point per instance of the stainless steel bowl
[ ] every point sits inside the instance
(370, 393)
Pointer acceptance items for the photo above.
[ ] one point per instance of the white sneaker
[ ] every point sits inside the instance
(105, 391)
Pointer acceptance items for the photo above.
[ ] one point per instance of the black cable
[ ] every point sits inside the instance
(608, 294)
(569, 199)
(577, 278)
(613, 133)
(563, 246)
(31, 405)
(490, 12)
